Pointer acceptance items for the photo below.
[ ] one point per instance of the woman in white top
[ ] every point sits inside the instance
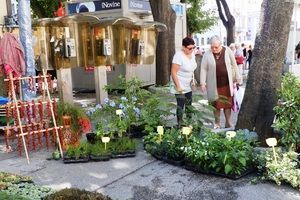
(182, 70)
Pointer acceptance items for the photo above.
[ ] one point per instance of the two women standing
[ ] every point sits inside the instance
(219, 73)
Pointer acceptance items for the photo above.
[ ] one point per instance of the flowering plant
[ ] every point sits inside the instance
(115, 116)
(85, 124)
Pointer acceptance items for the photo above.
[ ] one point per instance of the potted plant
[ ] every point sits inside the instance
(175, 143)
(76, 154)
(123, 147)
(155, 111)
(231, 157)
(98, 152)
(74, 120)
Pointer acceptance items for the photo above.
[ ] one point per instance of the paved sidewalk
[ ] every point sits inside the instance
(141, 178)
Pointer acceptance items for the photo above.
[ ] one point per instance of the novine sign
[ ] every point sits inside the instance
(110, 5)
(93, 6)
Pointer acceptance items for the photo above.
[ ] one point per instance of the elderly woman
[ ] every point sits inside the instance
(219, 73)
(182, 70)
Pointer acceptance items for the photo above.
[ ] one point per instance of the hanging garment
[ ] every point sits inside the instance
(12, 55)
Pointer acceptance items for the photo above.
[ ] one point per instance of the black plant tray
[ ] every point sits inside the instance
(173, 162)
(234, 176)
(100, 158)
(230, 176)
(124, 155)
(73, 160)
(195, 169)
(158, 157)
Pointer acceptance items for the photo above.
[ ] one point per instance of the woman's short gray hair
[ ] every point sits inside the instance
(215, 39)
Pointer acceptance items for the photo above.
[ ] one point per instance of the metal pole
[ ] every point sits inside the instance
(24, 20)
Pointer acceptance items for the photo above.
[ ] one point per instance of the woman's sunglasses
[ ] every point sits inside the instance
(190, 48)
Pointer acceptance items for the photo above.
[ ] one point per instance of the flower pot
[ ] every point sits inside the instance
(66, 119)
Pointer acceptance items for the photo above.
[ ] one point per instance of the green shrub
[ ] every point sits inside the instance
(7, 179)
(28, 191)
(76, 194)
(284, 170)
(288, 111)
(6, 196)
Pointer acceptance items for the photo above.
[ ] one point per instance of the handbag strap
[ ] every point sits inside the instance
(193, 79)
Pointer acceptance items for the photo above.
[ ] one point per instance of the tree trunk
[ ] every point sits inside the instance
(265, 73)
(228, 22)
(162, 12)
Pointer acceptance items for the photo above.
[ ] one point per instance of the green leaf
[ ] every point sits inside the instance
(228, 169)
(243, 161)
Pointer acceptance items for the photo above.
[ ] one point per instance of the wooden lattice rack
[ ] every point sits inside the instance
(33, 119)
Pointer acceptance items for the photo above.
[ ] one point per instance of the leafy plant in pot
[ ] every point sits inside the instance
(98, 152)
(155, 111)
(123, 147)
(175, 144)
(77, 153)
(74, 120)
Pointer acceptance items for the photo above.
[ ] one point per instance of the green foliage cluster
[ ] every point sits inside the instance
(122, 145)
(77, 152)
(284, 170)
(76, 194)
(218, 153)
(7, 179)
(288, 111)
(76, 113)
(22, 188)
(115, 146)
(98, 149)
(7, 196)
(169, 145)
(199, 20)
(28, 191)
(208, 151)
(154, 112)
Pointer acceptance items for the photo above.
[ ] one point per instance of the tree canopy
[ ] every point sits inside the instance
(198, 20)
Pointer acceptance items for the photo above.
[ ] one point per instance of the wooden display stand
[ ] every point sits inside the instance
(34, 119)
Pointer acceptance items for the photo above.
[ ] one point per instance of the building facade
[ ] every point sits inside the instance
(246, 14)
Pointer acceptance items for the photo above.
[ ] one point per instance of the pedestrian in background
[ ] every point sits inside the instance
(182, 70)
(219, 73)
(239, 57)
(244, 47)
(297, 52)
(249, 56)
